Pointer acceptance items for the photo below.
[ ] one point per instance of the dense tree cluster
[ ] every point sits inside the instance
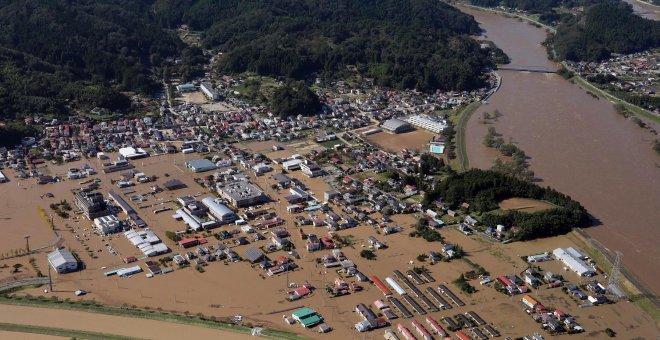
(602, 30)
(483, 189)
(294, 99)
(12, 133)
(429, 164)
(56, 55)
(421, 44)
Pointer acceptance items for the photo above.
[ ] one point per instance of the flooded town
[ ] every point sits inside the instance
(386, 213)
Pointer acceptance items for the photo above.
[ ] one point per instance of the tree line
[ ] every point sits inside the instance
(484, 189)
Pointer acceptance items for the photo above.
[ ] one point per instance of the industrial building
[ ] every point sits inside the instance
(147, 241)
(200, 165)
(427, 123)
(62, 261)
(132, 214)
(397, 125)
(573, 262)
(241, 194)
(92, 204)
(220, 211)
(193, 221)
(209, 91)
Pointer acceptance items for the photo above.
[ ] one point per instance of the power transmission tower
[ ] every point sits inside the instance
(613, 283)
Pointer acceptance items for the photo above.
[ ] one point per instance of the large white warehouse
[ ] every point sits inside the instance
(574, 263)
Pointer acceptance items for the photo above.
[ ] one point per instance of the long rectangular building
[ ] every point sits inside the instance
(379, 284)
(426, 123)
(572, 261)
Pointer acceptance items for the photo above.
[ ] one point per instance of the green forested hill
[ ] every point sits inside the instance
(77, 52)
(602, 30)
(403, 43)
(60, 55)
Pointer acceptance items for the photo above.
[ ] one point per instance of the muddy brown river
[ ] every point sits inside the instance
(577, 144)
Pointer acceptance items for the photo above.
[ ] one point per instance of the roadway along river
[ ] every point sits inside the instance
(645, 10)
(577, 145)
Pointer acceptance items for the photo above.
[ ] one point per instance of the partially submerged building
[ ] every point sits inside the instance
(62, 261)
(220, 211)
(573, 262)
(92, 204)
(241, 194)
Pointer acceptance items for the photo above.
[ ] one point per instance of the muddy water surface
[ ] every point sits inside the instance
(577, 144)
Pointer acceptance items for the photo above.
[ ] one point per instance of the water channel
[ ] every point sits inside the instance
(578, 145)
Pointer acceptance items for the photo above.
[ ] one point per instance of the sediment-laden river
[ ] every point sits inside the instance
(645, 10)
(577, 144)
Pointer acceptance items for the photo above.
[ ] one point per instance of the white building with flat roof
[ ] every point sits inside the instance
(209, 91)
(107, 224)
(427, 123)
(132, 153)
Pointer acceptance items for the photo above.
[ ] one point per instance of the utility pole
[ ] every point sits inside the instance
(50, 279)
(27, 242)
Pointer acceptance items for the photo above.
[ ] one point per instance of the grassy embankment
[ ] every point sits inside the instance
(92, 307)
(463, 117)
(70, 333)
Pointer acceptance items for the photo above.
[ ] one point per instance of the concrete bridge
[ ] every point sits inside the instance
(526, 69)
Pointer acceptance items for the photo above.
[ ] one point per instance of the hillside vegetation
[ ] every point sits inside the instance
(58, 55)
(420, 44)
(62, 56)
(602, 30)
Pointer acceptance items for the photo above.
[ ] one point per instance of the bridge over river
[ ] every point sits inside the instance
(527, 69)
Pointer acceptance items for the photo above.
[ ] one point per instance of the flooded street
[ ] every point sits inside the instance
(578, 145)
(645, 10)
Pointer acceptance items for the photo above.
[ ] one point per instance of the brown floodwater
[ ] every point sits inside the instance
(578, 145)
(645, 10)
